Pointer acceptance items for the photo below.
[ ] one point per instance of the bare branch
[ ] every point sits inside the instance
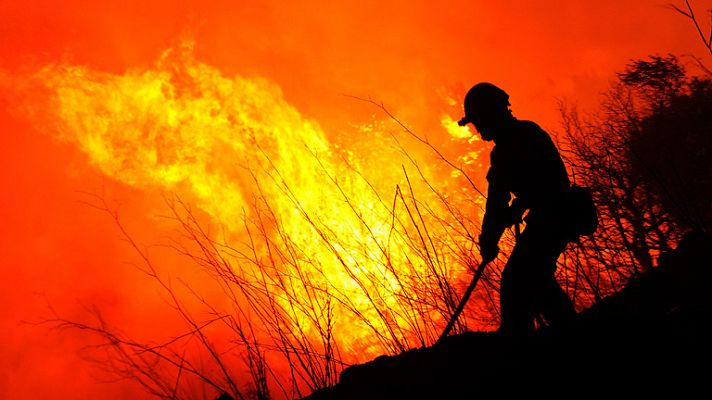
(690, 13)
(423, 140)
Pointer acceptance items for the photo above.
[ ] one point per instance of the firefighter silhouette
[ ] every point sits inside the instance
(526, 164)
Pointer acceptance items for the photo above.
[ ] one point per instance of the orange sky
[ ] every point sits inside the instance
(407, 54)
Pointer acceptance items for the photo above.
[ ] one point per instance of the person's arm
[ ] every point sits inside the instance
(497, 214)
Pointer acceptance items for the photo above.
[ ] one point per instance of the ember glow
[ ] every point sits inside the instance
(245, 113)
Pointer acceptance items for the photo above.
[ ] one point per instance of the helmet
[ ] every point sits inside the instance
(483, 96)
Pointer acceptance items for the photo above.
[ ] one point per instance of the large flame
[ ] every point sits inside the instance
(239, 151)
(183, 126)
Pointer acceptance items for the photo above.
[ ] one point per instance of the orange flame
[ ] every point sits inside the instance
(229, 143)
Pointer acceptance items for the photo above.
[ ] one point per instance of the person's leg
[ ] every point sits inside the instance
(555, 305)
(552, 302)
(515, 293)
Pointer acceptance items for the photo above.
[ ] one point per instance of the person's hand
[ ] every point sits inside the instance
(488, 252)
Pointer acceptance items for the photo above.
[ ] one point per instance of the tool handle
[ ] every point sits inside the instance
(463, 301)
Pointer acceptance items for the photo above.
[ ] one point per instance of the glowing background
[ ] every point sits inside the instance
(410, 56)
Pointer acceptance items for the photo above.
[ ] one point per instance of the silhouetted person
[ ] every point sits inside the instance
(525, 163)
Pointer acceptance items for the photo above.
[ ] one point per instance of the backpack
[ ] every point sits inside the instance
(581, 212)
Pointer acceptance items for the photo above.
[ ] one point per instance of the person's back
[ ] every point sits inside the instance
(531, 163)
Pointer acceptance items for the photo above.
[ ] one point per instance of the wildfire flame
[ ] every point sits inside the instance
(238, 150)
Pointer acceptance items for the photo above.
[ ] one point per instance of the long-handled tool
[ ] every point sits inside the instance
(463, 301)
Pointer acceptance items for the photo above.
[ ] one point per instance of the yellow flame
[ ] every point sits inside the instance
(183, 124)
(454, 130)
(185, 127)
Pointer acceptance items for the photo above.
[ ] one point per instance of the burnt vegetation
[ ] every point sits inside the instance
(645, 156)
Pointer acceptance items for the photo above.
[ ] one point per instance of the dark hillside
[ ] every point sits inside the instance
(652, 335)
